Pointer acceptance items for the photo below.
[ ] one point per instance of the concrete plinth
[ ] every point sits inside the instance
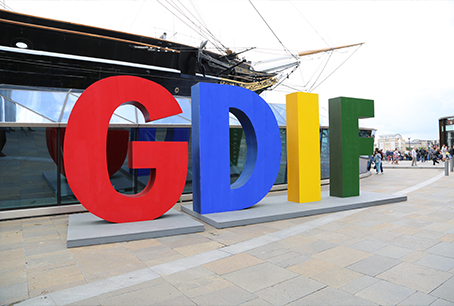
(88, 229)
(273, 208)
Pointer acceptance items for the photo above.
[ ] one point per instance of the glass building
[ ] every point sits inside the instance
(32, 128)
(446, 130)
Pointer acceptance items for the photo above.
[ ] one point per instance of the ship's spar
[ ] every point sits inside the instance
(295, 60)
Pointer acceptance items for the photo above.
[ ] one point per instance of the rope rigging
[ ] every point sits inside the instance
(313, 28)
(190, 17)
(201, 24)
(285, 48)
(326, 63)
(194, 22)
(6, 7)
(337, 67)
(196, 27)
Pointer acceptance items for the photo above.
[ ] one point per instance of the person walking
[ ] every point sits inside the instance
(382, 160)
(444, 149)
(395, 157)
(422, 154)
(435, 156)
(370, 162)
(414, 156)
(377, 161)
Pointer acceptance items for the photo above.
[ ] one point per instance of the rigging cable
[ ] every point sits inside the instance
(202, 28)
(191, 27)
(285, 48)
(326, 63)
(337, 67)
(6, 7)
(283, 79)
(313, 28)
(302, 76)
(137, 15)
(184, 14)
(202, 23)
(315, 72)
(291, 87)
(203, 31)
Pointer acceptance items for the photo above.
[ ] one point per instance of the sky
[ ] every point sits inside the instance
(406, 64)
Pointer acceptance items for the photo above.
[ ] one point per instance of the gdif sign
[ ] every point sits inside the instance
(86, 160)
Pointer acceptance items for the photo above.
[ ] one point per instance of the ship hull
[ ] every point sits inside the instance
(43, 52)
(59, 71)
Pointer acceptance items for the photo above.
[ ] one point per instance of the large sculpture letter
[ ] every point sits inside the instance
(346, 145)
(303, 148)
(85, 151)
(212, 192)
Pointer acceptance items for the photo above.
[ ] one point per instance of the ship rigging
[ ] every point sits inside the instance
(37, 51)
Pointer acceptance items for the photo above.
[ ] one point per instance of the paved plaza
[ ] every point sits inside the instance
(393, 254)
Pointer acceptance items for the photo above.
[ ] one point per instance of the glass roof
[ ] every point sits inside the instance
(39, 105)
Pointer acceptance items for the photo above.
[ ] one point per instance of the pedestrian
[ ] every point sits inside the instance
(422, 154)
(377, 161)
(444, 149)
(382, 160)
(414, 156)
(395, 157)
(435, 156)
(370, 161)
(389, 155)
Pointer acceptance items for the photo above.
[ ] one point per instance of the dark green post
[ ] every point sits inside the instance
(345, 144)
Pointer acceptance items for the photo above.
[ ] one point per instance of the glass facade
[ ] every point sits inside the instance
(32, 129)
(446, 130)
(21, 171)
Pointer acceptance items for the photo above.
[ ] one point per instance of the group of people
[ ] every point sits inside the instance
(444, 153)
(396, 155)
(434, 154)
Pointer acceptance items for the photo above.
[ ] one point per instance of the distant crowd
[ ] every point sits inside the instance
(434, 154)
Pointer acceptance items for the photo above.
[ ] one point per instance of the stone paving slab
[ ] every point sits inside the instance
(329, 259)
(290, 290)
(416, 277)
(385, 293)
(374, 265)
(273, 208)
(445, 291)
(418, 298)
(260, 276)
(331, 296)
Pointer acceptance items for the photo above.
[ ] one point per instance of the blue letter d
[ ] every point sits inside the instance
(211, 104)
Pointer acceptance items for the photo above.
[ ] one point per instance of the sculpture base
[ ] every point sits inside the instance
(88, 229)
(273, 208)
